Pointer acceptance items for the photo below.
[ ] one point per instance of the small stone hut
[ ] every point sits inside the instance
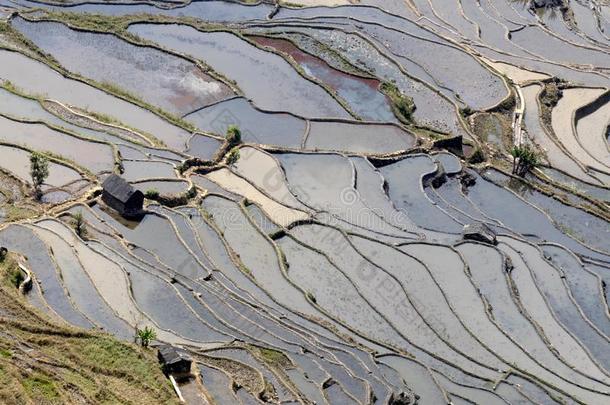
(174, 361)
(118, 194)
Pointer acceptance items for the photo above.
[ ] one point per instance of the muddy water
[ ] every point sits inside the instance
(96, 157)
(23, 240)
(17, 161)
(585, 287)
(599, 193)
(556, 295)
(557, 157)
(362, 94)
(591, 128)
(541, 43)
(399, 312)
(277, 87)
(577, 223)
(218, 384)
(40, 79)
(331, 288)
(406, 192)
(256, 126)
(460, 73)
(586, 21)
(164, 80)
(416, 376)
(278, 213)
(205, 10)
(491, 335)
(256, 253)
(563, 118)
(517, 74)
(163, 187)
(425, 295)
(494, 286)
(262, 170)
(204, 147)
(335, 195)
(358, 138)
(432, 109)
(141, 170)
(80, 287)
(21, 107)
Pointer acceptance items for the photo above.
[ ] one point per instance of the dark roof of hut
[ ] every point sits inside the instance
(168, 355)
(119, 188)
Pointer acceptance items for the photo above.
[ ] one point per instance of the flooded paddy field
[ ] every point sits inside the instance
(375, 203)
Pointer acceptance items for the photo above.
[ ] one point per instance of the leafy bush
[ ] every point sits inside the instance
(233, 157)
(233, 135)
(525, 158)
(402, 105)
(146, 335)
(79, 225)
(152, 194)
(39, 171)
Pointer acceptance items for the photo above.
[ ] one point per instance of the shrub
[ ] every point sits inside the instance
(402, 105)
(79, 225)
(233, 157)
(15, 277)
(233, 135)
(3, 253)
(146, 335)
(152, 194)
(39, 171)
(525, 158)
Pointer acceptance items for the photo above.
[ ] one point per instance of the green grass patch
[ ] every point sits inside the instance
(402, 105)
(38, 386)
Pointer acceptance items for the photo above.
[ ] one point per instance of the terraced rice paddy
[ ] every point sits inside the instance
(320, 255)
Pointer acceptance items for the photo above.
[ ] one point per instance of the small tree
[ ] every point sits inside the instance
(233, 157)
(233, 135)
(525, 158)
(79, 225)
(39, 171)
(146, 335)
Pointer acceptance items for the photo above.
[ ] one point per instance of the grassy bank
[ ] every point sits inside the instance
(42, 361)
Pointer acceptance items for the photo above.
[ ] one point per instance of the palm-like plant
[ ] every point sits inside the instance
(146, 335)
(525, 158)
(79, 225)
(39, 170)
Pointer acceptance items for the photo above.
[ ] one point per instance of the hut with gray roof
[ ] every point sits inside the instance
(118, 194)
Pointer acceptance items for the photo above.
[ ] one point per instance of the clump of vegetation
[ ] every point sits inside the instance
(403, 106)
(525, 158)
(39, 171)
(10, 272)
(79, 225)
(146, 335)
(478, 156)
(233, 135)
(152, 194)
(551, 94)
(232, 157)
(3, 253)
(466, 111)
(311, 297)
